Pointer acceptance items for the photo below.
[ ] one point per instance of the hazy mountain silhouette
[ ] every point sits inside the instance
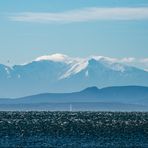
(123, 94)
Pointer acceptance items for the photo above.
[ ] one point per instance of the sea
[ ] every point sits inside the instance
(68, 129)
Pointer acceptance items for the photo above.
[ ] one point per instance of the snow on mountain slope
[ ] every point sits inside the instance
(61, 73)
(4, 71)
(76, 65)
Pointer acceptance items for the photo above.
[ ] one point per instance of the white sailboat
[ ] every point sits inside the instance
(70, 107)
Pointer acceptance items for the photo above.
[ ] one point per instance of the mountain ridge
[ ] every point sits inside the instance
(123, 94)
(118, 98)
(60, 73)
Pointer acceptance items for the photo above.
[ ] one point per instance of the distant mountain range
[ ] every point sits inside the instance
(60, 73)
(114, 98)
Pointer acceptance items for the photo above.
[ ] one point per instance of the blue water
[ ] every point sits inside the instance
(73, 129)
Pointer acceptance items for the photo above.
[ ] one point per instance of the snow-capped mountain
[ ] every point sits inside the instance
(61, 73)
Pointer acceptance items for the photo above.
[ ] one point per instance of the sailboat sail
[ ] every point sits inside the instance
(70, 107)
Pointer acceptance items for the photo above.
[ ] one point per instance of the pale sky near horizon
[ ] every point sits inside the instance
(113, 28)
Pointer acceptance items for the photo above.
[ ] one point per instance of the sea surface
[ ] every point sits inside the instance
(73, 129)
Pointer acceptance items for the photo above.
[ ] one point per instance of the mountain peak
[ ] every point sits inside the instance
(54, 57)
(103, 59)
(91, 89)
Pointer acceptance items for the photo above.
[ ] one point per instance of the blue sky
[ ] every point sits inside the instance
(31, 28)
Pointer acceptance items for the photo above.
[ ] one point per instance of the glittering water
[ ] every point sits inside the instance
(73, 129)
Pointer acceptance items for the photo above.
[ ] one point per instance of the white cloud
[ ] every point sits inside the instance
(145, 60)
(84, 15)
(128, 60)
(54, 57)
